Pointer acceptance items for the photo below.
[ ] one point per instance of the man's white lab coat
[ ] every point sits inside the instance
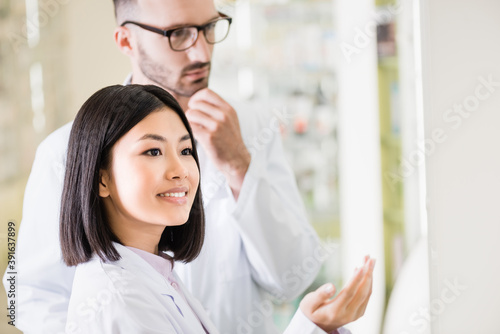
(260, 244)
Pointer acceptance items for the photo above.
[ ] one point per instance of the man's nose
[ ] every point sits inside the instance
(201, 51)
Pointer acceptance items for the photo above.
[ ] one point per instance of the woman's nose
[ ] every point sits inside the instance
(176, 169)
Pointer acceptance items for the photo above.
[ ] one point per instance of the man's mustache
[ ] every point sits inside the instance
(196, 66)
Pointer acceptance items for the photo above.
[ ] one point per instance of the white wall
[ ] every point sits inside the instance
(461, 44)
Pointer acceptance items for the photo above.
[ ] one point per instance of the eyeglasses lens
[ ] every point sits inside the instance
(184, 38)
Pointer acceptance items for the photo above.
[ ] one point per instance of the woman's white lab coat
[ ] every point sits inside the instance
(130, 296)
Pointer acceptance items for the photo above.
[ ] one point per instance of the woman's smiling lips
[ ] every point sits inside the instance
(175, 195)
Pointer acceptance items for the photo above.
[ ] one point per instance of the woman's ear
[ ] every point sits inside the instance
(103, 183)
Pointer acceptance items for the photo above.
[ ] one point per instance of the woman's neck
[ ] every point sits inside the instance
(141, 237)
(145, 246)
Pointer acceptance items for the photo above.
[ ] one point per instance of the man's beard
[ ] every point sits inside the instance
(165, 78)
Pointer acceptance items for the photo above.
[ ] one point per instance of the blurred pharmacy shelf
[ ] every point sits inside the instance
(283, 55)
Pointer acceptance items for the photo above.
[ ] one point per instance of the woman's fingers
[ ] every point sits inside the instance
(349, 305)
(355, 289)
(349, 291)
(314, 300)
(360, 300)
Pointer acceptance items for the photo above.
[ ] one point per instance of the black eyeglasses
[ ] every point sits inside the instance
(183, 38)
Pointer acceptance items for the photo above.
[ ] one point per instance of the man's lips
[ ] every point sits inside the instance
(198, 73)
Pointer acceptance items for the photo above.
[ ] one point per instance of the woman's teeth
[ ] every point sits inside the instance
(173, 194)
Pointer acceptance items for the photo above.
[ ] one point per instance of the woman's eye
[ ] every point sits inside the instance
(187, 151)
(153, 152)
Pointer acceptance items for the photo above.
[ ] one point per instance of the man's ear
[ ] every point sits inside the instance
(104, 183)
(123, 40)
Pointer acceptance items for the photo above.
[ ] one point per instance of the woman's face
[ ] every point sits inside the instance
(152, 178)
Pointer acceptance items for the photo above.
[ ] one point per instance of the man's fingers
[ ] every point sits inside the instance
(313, 300)
(208, 109)
(196, 117)
(209, 96)
(197, 128)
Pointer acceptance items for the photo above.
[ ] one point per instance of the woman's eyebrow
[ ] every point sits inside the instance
(156, 137)
(153, 137)
(185, 137)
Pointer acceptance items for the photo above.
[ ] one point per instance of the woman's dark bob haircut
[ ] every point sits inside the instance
(103, 119)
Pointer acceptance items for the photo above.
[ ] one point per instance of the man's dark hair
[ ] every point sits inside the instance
(102, 120)
(124, 10)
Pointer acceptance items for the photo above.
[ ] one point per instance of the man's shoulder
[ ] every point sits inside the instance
(58, 135)
(56, 143)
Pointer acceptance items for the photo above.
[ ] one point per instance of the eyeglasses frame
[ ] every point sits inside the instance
(168, 33)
